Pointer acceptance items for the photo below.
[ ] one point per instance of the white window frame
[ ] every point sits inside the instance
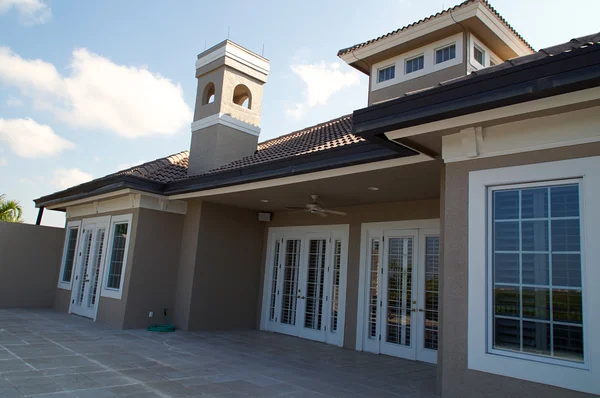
(61, 283)
(384, 68)
(412, 58)
(538, 369)
(483, 54)
(107, 291)
(435, 51)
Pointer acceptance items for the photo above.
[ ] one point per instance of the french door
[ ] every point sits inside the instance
(305, 283)
(401, 294)
(86, 287)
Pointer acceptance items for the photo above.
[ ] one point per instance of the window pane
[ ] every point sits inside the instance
(566, 270)
(536, 338)
(414, 64)
(536, 303)
(534, 236)
(507, 334)
(565, 201)
(507, 301)
(506, 268)
(535, 269)
(506, 205)
(70, 254)
(565, 235)
(534, 203)
(567, 306)
(506, 236)
(478, 55)
(568, 342)
(386, 73)
(117, 254)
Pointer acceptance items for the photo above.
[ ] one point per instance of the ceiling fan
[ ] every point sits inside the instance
(316, 208)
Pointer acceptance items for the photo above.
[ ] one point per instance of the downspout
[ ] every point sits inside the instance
(466, 45)
(39, 216)
(369, 69)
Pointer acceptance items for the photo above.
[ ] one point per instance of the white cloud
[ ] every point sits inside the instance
(29, 139)
(3, 162)
(66, 178)
(322, 81)
(98, 93)
(12, 101)
(31, 12)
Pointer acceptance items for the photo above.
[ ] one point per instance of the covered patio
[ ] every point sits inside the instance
(49, 354)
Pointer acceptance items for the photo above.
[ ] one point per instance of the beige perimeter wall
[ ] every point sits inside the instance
(30, 258)
(457, 380)
(398, 211)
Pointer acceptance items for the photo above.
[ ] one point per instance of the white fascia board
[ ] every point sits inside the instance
(237, 53)
(307, 177)
(226, 120)
(411, 33)
(498, 113)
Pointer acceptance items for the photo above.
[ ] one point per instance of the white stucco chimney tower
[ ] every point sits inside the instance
(228, 103)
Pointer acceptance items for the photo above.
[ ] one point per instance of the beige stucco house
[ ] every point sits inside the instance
(453, 221)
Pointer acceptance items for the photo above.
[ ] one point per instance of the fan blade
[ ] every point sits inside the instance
(320, 213)
(298, 211)
(337, 213)
(295, 208)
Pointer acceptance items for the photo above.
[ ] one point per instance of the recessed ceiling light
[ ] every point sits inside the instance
(373, 189)
(264, 200)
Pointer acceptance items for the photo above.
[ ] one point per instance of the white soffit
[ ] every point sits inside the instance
(237, 53)
(226, 120)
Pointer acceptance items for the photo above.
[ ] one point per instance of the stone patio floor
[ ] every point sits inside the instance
(47, 354)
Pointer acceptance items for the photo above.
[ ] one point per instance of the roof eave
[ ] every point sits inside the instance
(550, 76)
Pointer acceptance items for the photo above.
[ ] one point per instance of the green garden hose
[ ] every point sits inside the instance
(166, 327)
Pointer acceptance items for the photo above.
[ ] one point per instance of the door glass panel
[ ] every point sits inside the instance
(432, 273)
(70, 255)
(373, 286)
(315, 278)
(399, 291)
(335, 284)
(290, 282)
(87, 247)
(95, 267)
(274, 274)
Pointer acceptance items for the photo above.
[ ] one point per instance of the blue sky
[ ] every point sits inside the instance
(89, 87)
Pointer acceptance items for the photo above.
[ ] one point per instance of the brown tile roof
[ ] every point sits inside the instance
(464, 3)
(329, 135)
(332, 134)
(165, 169)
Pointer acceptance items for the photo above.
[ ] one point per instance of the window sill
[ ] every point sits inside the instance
(64, 286)
(112, 293)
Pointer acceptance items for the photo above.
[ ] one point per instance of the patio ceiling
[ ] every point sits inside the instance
(402, 183)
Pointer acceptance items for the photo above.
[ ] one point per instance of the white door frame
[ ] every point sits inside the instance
(336, 232)
(90, 221)
(425, 227)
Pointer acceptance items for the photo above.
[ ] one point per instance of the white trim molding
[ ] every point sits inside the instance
(67, 285)
(489, 116)
(225, 120)
(236, 52)
(123, 201)
(114, 221)
(559, 130)
(481, 356)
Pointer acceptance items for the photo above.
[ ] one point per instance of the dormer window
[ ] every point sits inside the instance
(415, 64)
(479, 55)
(445, 54)
(386, 73)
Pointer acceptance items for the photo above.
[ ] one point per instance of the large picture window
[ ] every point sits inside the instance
(536, 271)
